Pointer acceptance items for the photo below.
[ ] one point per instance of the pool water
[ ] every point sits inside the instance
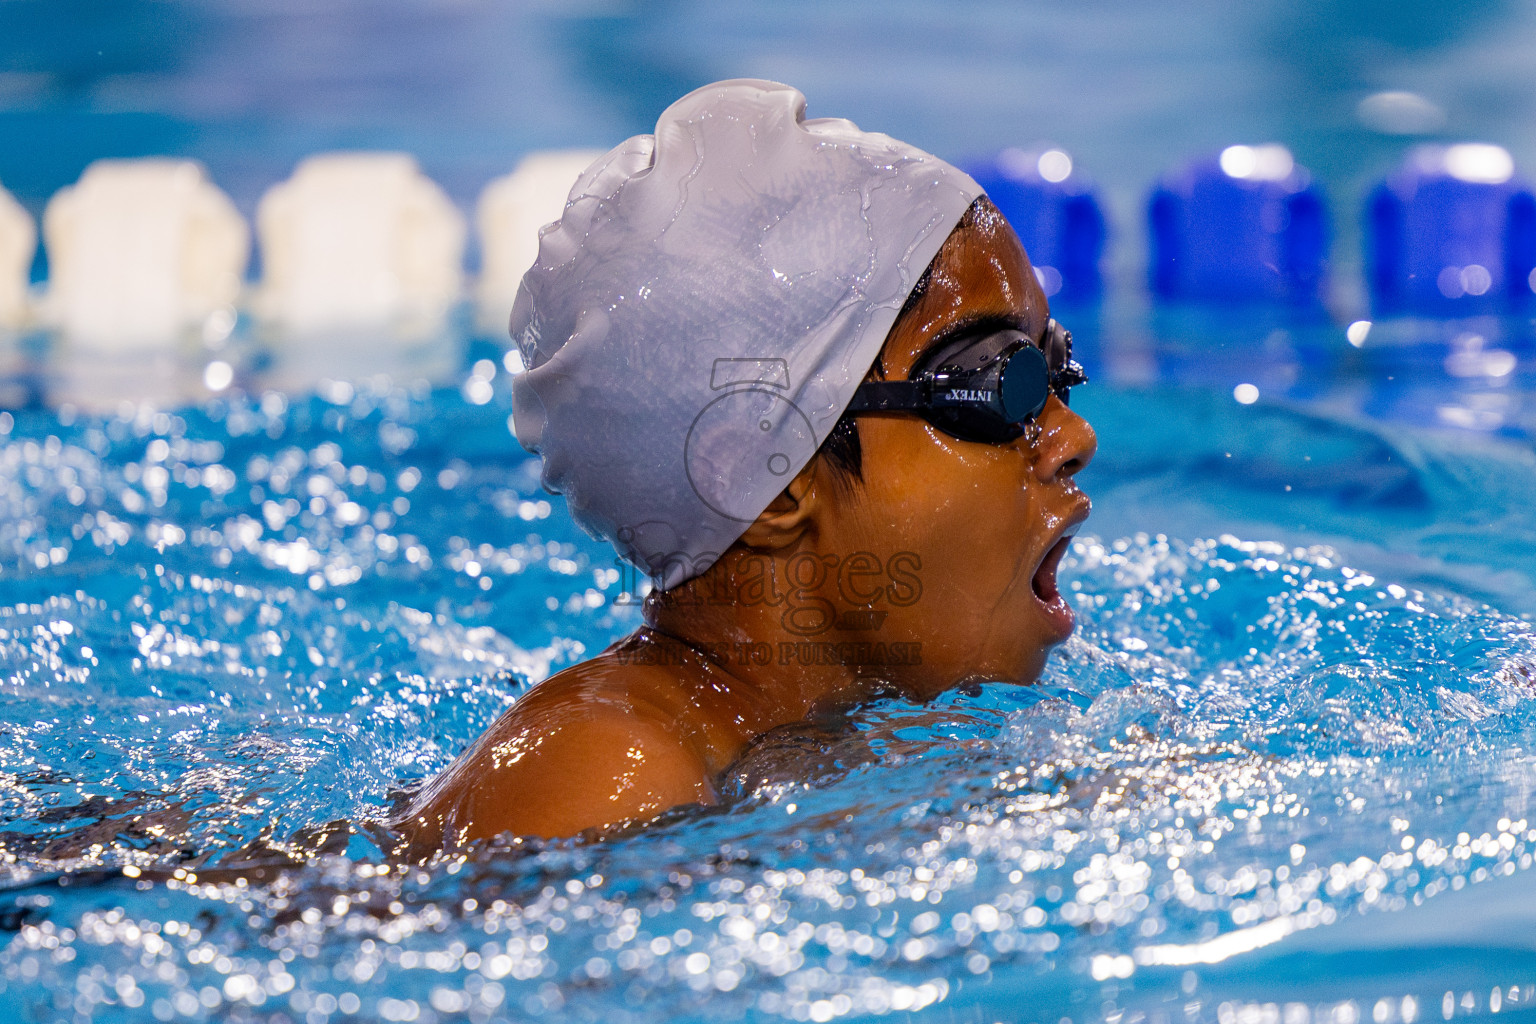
(1283, 772)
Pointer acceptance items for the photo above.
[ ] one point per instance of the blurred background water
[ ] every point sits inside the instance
(249, 87)
(1283, 773)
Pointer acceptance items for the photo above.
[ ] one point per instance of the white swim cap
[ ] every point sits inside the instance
(701, 314)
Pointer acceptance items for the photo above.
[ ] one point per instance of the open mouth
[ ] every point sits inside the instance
(1044, 582)
(1046, 591)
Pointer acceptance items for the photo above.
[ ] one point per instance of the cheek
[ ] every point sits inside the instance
(969, 512)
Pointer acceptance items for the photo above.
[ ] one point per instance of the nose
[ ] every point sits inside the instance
(1066, 443)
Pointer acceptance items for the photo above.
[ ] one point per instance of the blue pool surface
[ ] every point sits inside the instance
(1283, 772)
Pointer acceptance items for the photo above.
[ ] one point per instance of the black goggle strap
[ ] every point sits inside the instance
(980, 387)
(1066, 372)
(931, 391)
(1069, 376)
(890, 396)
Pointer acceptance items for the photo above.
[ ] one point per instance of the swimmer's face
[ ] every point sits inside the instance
(984, 524)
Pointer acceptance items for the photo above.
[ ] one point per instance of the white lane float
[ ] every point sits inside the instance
(510, 213)
(360, 246)
(142, 254)
(18, 243)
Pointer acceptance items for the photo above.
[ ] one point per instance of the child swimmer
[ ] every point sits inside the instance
(845, 473)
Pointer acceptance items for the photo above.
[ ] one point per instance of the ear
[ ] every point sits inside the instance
(789, 515)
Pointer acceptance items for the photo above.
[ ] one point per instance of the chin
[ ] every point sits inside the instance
(1022, 670)
(1033, 670)
(1033, 659)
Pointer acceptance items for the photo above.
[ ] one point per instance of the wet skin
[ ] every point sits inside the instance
(955, 542)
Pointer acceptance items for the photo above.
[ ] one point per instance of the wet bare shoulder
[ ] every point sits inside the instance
(601, 743)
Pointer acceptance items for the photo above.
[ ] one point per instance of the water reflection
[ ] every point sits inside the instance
(201, 679)
(56, 374)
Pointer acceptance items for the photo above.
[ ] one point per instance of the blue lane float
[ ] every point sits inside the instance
(1053, 207)
(1247, 224)
(1452, 230)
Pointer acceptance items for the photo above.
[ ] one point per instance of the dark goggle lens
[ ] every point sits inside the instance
(986, 388)
(1025, 384)
(974, 424)
(1022, 376)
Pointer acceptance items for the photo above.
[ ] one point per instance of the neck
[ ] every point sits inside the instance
(780, 645)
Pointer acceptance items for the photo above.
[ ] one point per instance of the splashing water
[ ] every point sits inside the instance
(244, 630)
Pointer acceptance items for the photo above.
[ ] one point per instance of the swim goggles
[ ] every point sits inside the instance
(981, 388)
